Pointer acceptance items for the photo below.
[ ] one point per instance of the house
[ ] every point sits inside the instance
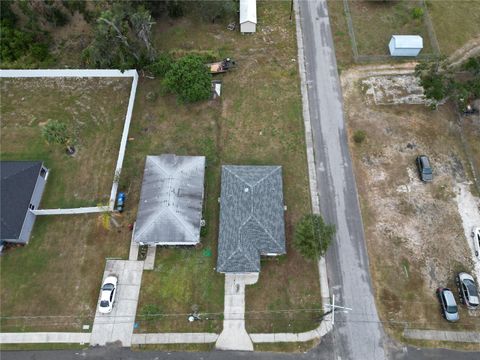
(171, 200)
(405, 45)
(251, 217)
(248, 16)
(22, 185)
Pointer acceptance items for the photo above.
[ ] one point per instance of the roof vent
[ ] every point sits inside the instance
(246, 189)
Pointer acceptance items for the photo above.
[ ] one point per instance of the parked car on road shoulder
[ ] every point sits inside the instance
(107, 297)
(424, 168)
(448, 304)
(467, 290)
(476, 241)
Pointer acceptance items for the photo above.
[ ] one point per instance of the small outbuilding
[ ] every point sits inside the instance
(405, 45)
(248, 16)
(171, 201)
(251, 217)
(22, 185)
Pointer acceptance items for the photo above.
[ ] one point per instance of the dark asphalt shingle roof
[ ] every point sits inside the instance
(18, 179)
(251, 217)
(170, 208)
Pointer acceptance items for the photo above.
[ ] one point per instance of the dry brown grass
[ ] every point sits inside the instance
(414, 238)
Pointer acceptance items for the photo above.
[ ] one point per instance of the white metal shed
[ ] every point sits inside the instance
(248, 16)
(405, 45)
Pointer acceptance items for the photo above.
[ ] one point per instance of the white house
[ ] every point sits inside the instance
(248, 16)
(405, 45)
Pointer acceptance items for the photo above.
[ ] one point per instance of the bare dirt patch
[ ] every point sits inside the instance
(414, 231)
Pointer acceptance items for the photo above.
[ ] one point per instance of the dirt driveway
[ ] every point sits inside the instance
(415, 235)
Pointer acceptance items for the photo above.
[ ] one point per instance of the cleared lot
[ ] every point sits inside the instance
(414, 231)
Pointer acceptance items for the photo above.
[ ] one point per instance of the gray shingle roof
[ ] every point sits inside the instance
(18, 179)
(170, 208)
(251, 217)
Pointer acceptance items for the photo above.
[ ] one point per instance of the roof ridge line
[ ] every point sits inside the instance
(239, 178)
(150, 224)
(266, 176)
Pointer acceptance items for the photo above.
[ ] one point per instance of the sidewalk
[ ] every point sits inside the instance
(174, 338)
(455, 336)
(44, 337)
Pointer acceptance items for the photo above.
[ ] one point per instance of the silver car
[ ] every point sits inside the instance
(448, 304)
(467, 290)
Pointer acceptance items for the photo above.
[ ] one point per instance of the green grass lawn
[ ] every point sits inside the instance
(455, 22)
(257, 121)
(93, 109)
(375, 22)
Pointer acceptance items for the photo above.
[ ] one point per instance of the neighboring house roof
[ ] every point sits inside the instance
(18, 180)
(170, 208)
(248, 11)
(408, 41)
(251, 217)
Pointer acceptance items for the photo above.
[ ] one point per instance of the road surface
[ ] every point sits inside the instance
(357, 334)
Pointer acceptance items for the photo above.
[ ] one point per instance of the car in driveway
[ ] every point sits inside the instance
(467, 290)
(424, 168)
(476, 241)
(107, 296)
(448, 304)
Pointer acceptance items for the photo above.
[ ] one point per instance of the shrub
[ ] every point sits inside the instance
(189, 79)
(313, 236)
(417, 12)
(162, 65)
(359, 136)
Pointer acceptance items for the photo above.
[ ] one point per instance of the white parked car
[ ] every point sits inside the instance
(476, 241)
(107, 297)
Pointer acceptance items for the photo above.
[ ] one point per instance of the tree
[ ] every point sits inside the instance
(436, 83)
(122, 38)
(313, 236)
(189, 79)
(56, 132)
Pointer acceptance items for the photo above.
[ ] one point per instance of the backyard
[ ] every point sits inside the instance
(94, 112)
(454, 23)
(414, 231)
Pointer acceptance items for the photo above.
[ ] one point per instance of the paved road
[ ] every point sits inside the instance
(320, 353)
(358, 334)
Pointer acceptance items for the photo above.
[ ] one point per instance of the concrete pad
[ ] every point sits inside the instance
(150, 259)
(118, 325)
(234, 336)
(44, 337)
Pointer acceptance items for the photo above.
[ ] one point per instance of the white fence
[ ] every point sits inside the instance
(79, 73)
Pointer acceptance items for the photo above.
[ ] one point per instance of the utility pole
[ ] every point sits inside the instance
(333, 307)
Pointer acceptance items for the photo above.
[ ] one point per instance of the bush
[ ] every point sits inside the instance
(313, 236)
(189, 79)
(359, 136)
(417, 12)
(162, 65)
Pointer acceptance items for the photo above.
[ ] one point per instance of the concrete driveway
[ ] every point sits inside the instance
(118, 325)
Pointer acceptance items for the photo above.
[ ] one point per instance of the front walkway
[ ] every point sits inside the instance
(234, 336)
(118, 325)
